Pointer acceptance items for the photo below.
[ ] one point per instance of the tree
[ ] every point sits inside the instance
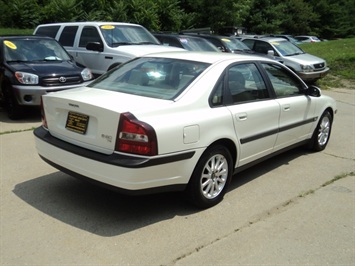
(336, 18)
(299, 18)
(170, 15)
(21, 13)
(325, 18)
(143, 12)
(216, 13)
(62, 11)
(266, 16)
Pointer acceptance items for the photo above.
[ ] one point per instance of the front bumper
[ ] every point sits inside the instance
(313, 75)
(31, 95)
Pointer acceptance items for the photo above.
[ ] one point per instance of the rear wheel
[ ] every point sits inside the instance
(211, 177)
(321, 134)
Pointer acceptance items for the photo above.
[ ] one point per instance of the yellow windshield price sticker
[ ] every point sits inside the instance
(226, 40)
(10, 45)
(107, 27)
(275, 43)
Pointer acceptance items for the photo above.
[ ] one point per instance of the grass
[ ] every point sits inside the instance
(8, 31)
(339, 54)
(17, 131)
(340, 57)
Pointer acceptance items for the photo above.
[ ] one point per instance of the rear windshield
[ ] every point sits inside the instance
(160, 78)
(197, 44)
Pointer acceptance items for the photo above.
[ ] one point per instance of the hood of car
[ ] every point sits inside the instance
(139, 50)
(305, 59)
(45, 68)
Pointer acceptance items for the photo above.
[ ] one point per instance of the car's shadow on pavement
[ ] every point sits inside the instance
(107, 213)
(30, 115)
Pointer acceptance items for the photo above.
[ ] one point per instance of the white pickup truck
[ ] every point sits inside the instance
(101, 46)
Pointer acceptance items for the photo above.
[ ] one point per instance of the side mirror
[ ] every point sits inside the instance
(95, 46)
(313, 91)
(221, 48)
(271, 53)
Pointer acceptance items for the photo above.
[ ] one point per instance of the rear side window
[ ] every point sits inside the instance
(68, 36)
(50, 31)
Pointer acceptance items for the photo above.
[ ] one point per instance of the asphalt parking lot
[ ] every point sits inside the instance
(297, 208)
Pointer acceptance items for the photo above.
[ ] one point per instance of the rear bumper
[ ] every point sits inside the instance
(129, 174)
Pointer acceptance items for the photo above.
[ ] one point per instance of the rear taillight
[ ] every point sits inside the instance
(43, 115)
(135, 136)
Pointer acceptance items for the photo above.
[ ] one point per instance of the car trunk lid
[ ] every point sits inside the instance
(89, 118)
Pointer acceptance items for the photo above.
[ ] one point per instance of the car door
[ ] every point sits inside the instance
(297, 110)
(98, 62)
(255, 113)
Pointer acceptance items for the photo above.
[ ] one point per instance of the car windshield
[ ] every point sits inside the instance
(197, 44)
(160, 78)
(287, 48)
(29, 50)
(116, 35)
(234, 44)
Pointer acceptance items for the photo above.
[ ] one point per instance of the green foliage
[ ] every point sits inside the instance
(339, 54)
(336, 18)
(12, 31)
(20, 13)
(325, 18)
(340, 57)
(266, 16)
(300, 12)
(62, 10)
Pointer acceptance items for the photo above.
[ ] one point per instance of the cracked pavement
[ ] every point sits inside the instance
(297, 208)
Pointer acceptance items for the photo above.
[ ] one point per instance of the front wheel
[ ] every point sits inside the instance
(211, 177)
(321, 134)
(13, 109)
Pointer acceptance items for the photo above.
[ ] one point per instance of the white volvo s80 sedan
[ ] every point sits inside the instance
(181, 121)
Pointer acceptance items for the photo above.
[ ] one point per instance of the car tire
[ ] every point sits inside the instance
(211, 177)
(12, 108)
(322, 132)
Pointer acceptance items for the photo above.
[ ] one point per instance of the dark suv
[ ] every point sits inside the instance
(31, 66)
(227, 44)
(190, 43)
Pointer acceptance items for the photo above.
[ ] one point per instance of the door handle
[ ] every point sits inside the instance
(287, 107)
(242, 116)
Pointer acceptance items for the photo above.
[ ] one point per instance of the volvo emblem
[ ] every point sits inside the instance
(62, 79)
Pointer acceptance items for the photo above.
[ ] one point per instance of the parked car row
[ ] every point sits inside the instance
(66, 55)
(222, 43)
(96, 47)
(283, 49)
